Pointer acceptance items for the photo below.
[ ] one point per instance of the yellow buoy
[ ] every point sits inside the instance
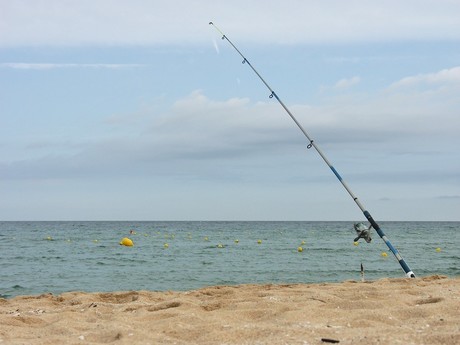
(259, 241)
(166, 245)
(300, 249)
(237, 241)
(384, 254)
(303, 243)
(355, 243)
(220, 245)
(438, 249)
(206, 238)
(127, 242)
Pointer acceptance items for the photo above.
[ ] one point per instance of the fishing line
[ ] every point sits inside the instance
(312, 144)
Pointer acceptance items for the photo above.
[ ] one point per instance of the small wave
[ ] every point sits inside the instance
(12, 291)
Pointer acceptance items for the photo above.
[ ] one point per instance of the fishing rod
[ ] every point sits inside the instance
(311, 144)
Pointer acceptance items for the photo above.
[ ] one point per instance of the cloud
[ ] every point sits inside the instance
(347, 83)
(48, 66)
(201, 136)
(449, 197)
(450, 75)
(146, 22)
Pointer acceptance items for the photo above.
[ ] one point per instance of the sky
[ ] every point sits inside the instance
(138, 110)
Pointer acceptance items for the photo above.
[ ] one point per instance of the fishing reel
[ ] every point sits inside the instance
(363, 232)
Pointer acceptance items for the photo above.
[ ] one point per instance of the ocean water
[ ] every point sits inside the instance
(43, 257)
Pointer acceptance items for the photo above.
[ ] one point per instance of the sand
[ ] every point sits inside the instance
(387, 311)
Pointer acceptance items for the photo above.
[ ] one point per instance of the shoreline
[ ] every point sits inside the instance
(416, 311)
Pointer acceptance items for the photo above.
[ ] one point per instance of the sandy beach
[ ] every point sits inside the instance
(387, 311)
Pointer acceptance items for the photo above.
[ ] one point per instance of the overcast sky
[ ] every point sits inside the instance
(138, 110)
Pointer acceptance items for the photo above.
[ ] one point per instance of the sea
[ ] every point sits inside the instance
(61, 256)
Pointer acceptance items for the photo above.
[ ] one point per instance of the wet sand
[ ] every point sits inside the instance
(387, 311)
